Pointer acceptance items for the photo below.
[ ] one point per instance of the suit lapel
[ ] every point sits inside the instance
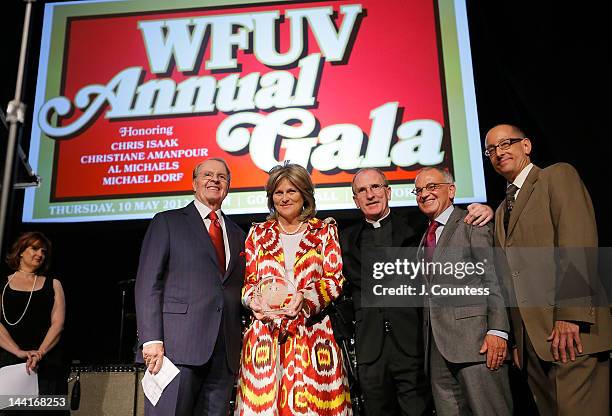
(499, 224)
(234, 246)
(448, 231)
(199, 229)
(421, 248)
(523, 197)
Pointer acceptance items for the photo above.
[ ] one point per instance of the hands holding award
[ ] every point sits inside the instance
(276, 297)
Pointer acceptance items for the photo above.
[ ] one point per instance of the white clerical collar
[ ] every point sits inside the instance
(377, 223)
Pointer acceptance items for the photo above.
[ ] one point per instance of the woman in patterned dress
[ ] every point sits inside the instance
(291, 364)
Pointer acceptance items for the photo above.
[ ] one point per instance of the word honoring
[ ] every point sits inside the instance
(157, 130)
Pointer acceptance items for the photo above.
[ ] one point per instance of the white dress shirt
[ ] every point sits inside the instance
(520, 178)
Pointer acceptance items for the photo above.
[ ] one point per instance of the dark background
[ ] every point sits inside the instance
(539, 64)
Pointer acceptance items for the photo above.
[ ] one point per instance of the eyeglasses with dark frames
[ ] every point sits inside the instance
(503, 145)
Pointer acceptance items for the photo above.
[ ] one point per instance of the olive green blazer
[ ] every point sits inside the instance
(551, 257)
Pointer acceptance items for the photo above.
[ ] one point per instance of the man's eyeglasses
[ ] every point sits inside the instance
(376, 188)
(221, 177)
(430, 187)
(503, 145)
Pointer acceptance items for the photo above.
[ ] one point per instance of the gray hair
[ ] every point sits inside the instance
(448, 177)
(196, 169)
(379, 171)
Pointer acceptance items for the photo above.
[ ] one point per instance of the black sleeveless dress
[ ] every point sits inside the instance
(30, 332)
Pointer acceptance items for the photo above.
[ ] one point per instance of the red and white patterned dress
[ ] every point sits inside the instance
(304, 373)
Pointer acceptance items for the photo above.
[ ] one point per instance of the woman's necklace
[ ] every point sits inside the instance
(292, 232)
(27, 304)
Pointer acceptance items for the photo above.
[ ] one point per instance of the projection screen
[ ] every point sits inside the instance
(132, 94)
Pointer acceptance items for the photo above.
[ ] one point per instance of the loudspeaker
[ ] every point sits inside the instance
(112, 391)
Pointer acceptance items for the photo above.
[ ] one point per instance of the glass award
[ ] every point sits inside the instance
(276, 293)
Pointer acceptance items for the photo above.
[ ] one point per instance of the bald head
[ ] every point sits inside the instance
(510, 129)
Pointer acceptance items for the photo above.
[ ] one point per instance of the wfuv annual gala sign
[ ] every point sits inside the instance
(132, 94)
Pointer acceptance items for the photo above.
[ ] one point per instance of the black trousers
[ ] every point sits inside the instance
(395, 384)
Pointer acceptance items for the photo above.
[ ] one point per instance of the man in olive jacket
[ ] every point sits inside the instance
(546, 226)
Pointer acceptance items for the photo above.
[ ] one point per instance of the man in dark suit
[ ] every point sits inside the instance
(546, 227)
(389, 341)
(465, 321)
(188, 298)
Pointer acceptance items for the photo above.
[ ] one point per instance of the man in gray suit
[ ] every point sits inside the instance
(188, 298)
(465, 321)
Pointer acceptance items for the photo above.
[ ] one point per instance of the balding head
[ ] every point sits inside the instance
(508, 162)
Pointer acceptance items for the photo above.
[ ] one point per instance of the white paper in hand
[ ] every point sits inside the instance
(15, 381)
(154, 385)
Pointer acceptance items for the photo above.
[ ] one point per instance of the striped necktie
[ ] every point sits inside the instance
(510, 192)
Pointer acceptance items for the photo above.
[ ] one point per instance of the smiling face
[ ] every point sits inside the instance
(211, 183)
(433, 203)
(510, 162)
(369, 196)
(288, 200)
(32, 258)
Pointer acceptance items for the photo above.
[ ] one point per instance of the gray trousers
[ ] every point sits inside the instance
(468, 388)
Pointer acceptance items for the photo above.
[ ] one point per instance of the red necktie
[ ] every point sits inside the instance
(216, 235)
(430, 240)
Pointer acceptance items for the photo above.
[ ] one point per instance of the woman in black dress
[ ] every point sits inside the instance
(32, 314)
